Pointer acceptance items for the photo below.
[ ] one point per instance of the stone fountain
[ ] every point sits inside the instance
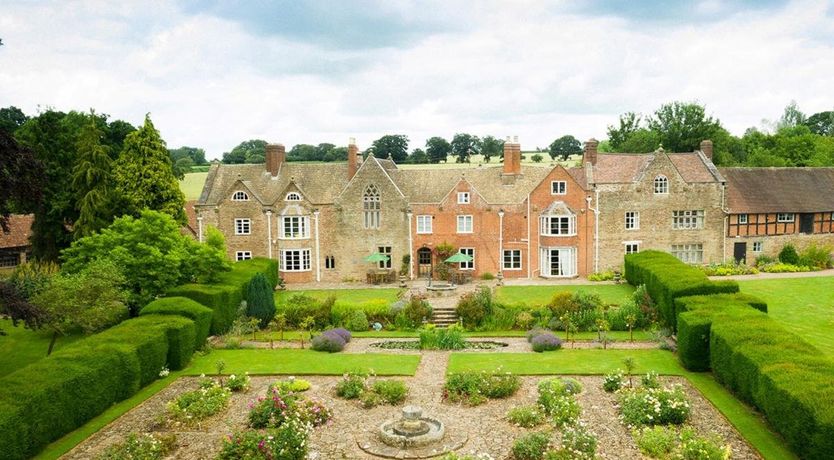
(412, 436)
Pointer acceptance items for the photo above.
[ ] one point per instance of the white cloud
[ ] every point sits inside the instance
(524, 70)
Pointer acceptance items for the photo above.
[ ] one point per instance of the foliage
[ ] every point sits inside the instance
(815, 257)
(556, 398)
(650, 380)
(694, 447)
(526, 416)
(546, 342)
(438, 149)
(329, 341)
(537, 158)
(290, 385)
(416, 310)
(613, 381)
(145, 446)
(184, 307)
(287, 442)
(450, 338)
(531, 446)
(394, 146)
(21, 178)
(577, 444)
(564, 147)
(606, 275)
(464, 146)
(784, 268)
(656, 441)
(474, 307)
(728, 268)
(11, 118)
(251, 151)
(91, 179)
(237, 383)
(788, 255)
(391, 392)
(357, 321)
(260, 301)
(18, 309)
(352, 385)
(31, 277)
(151, 251)
(491, 147)
(475, 387)
(654, 406)
(192, 407)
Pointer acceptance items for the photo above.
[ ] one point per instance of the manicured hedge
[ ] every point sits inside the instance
(789, 380)
(242, 273)
(180, 334)
(150, 345)
(666, 278)
(187, 308)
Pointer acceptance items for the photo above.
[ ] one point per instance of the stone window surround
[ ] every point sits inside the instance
(688, 219)
(243, 226)
(690, 253)
(462, 221)
(661, 185)
(240, 195)
(758, 246)
(372, 207)
(632, 222)
(467, 265)
(513, 256)
(558, 187)
(243, 255)
(298, 259)
(426, 227)
(302, 228)
(464, 198)
(293, 196)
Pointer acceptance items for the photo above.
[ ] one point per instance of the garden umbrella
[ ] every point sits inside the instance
(458, 258)
(377, 257)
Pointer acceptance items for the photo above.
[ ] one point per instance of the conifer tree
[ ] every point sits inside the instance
(144, 177)
(91, 179)
(260, 301)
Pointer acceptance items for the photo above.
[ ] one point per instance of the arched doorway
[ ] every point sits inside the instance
(424, 261)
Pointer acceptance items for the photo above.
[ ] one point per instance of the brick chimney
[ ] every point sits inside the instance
(512, 156)
(589, 155)
(706, 147)
(275, 156)
(353, 158)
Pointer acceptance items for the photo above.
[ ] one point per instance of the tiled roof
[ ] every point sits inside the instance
(430, 185)
(693, 169)
(620, 168)
(20, 228)
(191, 215)
(320, 182)
(769, 190)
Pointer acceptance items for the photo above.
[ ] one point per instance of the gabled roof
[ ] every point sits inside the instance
(772, 190)
(622, 168)
(558, 208)
(20, 228)
(431, 185)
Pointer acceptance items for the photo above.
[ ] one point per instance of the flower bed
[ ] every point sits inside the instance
(415, 345)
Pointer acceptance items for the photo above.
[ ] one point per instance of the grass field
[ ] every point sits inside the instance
(192, 185)
(750, 424)
(344, 296)
(540, 295)
(302, 362)
(805, 306)
(21, 347)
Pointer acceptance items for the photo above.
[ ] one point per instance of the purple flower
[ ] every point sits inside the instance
(546, 342)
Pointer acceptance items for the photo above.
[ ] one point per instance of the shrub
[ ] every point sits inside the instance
(535, 332)
(817, 258)
(186, 307)
(180, 334)
(784, 268)
(370, 399)
(237, 383)
(273, 410)
(613, 381)
(524, 320)
(526, 416)
(487, 276)
(287, 442)
(313, 412)
(144, 446)
(650, 380)
(656, 441)
(290, 385)
(357, 321)
(788, 255)
(475, 306)
(654, 406)
(391, 391)
(260, 299)
(476, 387)
(607, 275)
(221, 299)
(194, 406)
(328, 341)
(578, 443)
(546, 342)
(450, 338)
(351, 386)
(694, 447)
(530, 447)
(416, 310)
(343, 333)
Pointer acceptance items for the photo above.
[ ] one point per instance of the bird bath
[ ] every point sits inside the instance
(412, 435)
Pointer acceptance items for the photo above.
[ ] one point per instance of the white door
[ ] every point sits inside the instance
(558, 262)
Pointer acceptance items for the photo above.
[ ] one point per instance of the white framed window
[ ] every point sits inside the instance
(295, 260)
(689, 253)
(463, 198)
(240, 195)
(558, 187)
(742, 218)
(385, 250)
(293, 196)
(785, 217)
(632, 220)
(512, 259)
(243, 226)
(465, 224)
(423, 225)
(329, 262)
(295, 227)
(631, 247)
(558, 225)
(371, 206)
(688, 220)
(557, 262)
(243, 255)
(471, 253)
(757, 246)
(661, 185)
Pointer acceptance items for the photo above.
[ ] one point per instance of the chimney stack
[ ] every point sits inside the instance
(589, 155)
(706, 147)
(353, 158)
(512, 156)
(275, 156)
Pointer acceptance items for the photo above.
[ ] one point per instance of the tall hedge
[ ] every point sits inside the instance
(185, 307)
(667, 278)
(260, 299)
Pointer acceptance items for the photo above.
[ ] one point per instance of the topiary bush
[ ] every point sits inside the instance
(788, 255)
(260, 299)
(187, 308)
(357, 321)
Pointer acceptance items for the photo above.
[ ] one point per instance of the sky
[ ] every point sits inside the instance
(215, 73)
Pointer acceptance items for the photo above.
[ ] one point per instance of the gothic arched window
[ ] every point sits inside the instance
(371, 207)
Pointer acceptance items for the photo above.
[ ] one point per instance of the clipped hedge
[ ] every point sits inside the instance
(183, 306)
(666, 278)
(180, 334)
(149, 345)
(242, 273)
(789, 380)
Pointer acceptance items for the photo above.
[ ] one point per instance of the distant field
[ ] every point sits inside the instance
(192, 185)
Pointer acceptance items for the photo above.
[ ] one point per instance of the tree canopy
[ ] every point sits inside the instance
(464, 146)
(251, 151)
(564, 147)
(394, 146)
(438, 149)
(21, 178)
(491, 147)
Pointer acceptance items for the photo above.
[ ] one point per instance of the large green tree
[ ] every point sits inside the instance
(683, 125)
(821, 123)
(464, 146)
(491, 147)
(143, 176)
(629, 123)
(251, 151)
(394, 146)
(21, 178)
(564, 147)
(91, 180)
(438, 149)
(11, 118)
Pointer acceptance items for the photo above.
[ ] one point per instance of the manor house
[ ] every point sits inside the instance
(523, 221)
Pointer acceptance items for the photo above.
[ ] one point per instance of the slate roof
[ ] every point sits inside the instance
(20, 228)
(772, 190)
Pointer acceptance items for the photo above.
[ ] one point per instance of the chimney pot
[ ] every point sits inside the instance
(706, 147)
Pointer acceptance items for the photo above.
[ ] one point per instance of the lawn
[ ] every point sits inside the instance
(192, 185)
(302, 362)
(540, 295)
(804, 306)
(620, 336)
(344, 296)
(750, 424)
(21, 347)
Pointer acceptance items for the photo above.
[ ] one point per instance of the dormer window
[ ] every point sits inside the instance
(240, 195)
(293, 196)
(661, 185)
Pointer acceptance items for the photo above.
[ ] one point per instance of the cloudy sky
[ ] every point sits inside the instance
(215, 73)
